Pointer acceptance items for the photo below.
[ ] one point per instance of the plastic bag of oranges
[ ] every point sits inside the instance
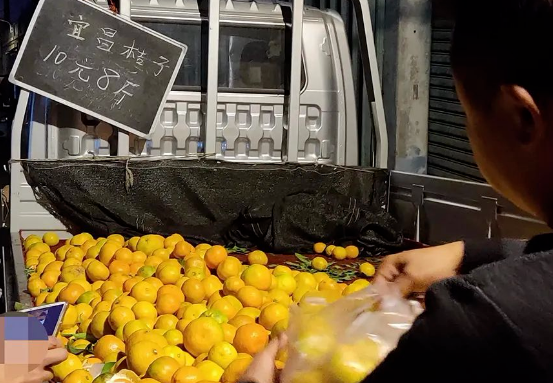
(344, 341)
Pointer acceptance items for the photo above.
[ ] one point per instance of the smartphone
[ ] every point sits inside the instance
(49, 315)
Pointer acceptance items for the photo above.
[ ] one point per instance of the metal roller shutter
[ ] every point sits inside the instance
(449, 152)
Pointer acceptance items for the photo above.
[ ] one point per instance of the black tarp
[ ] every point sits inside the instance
(279, 208)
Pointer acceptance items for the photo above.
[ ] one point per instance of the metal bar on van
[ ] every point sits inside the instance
(295, 82)
(17, 124)
(123, 140)
(209, 135)
(125, 8)
(372, 79)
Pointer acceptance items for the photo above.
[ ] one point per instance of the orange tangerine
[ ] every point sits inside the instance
(141, 355)
(169, 274)
(211, 285)
(232, 285)
(257, 276)
(120, 316)
(214, 298)
(131, 243)
(87, 245)
(50, 238)
(193, 290)
(226, 307)
(172, 240)
(125, 301)
(214, 256)
(210, 370)
(182, 249)
(240, 320)
(201, 334)
(249, 296)
(75, 253)
(174, 337)
(166, 322)
(71, 293)
(87, 262)
(235, 370)
(154, 282)
(97, 271)
(71, 273)
(194, 261)
(144, 310)
(112, 295)
(99, 326)
(171, 289)
(153, 261)
(40, 247)
(187, 374)
(108, 285)
(229, 331)
(229, 267)
(96, 286)
(182, 309)
(150, 243)
(182, 324)
(108, 252)
(134, 267)
(162, 369)
(258, 257)
(195, 273)
(117, 266)
(107, 345)
(168, 262)
(70, 262)
(162, 253)
(93, 252)
(139, 257)
(119, 278)
(146, 271)
(133, 326)
(251, 338)
(50, 278)
(116, 238)
(168, 303)
(272, 314)
(144, 291)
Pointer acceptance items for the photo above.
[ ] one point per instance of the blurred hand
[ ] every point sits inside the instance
(262, 369)
(56, 353)
(414, 271)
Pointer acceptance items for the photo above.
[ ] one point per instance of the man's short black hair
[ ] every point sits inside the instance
(499, 42)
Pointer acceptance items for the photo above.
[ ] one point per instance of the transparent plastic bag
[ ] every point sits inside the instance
(344, 341)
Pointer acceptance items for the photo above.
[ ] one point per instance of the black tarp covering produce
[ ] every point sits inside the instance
(279, 208)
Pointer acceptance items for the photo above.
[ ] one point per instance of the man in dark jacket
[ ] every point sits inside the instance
(489, 305)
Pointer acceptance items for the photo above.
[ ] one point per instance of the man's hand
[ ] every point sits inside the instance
(56, 353)
(262, 369)
(414, 271)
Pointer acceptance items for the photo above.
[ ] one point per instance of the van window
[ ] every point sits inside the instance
(190, 74)
(251, 59)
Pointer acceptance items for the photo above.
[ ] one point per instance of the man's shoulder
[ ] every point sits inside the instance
(512, 298)
(524, 282)
(515, 277)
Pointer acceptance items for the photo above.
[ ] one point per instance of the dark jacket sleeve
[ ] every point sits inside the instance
(461, 337)
(482, 252)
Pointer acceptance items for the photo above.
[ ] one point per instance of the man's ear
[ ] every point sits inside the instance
(529, 124)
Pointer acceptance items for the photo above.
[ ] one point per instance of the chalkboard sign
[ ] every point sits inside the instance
(99, 63)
